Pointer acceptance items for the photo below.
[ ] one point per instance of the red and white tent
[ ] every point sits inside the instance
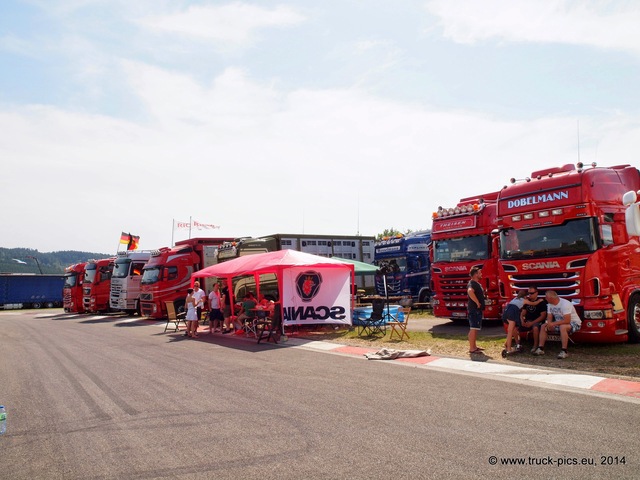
(312, 289)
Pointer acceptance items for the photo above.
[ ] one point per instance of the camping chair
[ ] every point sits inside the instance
(375, 323)
(270, 328)
(173, 317)
(400, 328)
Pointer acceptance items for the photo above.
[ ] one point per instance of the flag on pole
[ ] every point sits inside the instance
(133, 243)
(125, 238)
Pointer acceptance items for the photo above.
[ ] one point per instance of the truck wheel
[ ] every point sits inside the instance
(633, 318)
(49, 305)
(36, 305)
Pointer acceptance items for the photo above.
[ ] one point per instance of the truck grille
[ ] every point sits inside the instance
(146, 297)
(566, 284)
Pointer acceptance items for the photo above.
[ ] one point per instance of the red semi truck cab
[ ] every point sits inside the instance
(464, 237)
(72, 289)
(167, 275)
(97, 285)
(563, 229)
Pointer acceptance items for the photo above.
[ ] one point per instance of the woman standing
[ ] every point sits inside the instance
(192, 316)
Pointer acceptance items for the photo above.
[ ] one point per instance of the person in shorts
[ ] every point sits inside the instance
(475, 306)
(227, 326)
(215, 313)
(533, 316)
(512, 317)
(562, 318)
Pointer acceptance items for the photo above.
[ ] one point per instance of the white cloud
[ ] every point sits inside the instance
(257, 161)
(233, 24)
(595, 23)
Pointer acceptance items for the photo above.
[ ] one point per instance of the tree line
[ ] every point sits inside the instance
(11, 260)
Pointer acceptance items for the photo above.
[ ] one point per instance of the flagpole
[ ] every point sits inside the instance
(190, 222)
(173, 226)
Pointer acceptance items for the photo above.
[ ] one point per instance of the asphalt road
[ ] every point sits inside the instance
(97, 398)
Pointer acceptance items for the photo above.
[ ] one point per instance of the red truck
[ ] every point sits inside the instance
(463, 237)
(167, 275)
(72, 289)
(563, 229)
(97, 285)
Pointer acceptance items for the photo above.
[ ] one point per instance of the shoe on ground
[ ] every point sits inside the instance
(538, 351)
(533, 350)
(563, 354)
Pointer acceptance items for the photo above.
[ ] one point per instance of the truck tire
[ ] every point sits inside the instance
(633, 318)
(49, 305)
(36, 305)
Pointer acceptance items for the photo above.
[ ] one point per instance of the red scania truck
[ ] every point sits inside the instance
(167, 275)
(72, 289)
(97, 285)
(463, 237)
(563, 229)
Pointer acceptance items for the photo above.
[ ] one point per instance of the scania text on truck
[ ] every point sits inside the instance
(563, 229)
(404, 266)
(464, 237)
(167, 275)
(72, 290)
(125, 280)
(97, 285)
(30, 290)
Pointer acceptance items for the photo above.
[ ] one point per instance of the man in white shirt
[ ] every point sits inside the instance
(200, 296)
(561, 318)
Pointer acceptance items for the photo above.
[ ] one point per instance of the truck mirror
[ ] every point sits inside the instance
(632, 219)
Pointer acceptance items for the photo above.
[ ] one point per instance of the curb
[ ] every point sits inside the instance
(626, 388)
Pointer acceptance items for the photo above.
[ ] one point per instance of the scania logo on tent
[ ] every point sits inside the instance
(308, 285)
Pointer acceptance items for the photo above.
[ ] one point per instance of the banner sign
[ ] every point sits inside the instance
(312, 295)
(453, 224)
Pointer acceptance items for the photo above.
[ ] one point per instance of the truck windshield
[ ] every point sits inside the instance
(392, 265)
(70, 280)
(461, 249)
(121, 268)
(151, 275)
(571, 238)
(90, 274)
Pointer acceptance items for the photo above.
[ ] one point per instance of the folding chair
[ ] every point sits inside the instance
(400, 328)
(173, 317)
(375, 323)
(270, 328)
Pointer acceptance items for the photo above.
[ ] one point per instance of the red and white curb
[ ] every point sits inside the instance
(542, 376)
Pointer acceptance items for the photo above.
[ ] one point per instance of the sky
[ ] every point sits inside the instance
(296, 116)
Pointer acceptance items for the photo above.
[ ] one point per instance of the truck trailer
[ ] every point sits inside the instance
(27, 290)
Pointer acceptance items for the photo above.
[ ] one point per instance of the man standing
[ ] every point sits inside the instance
(200, 296)
(475, 307)
(215, 309)
(533, 316)
(561, 318)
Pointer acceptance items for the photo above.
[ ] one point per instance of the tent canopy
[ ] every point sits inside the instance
(271, 262)
(361, 268)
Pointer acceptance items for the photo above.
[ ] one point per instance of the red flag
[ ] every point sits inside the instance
(133, 243)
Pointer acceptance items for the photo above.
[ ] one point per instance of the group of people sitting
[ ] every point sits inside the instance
(527, 313)
(222, 318)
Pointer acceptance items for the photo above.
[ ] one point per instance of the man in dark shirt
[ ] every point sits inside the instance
(533, 316)
(475, 307)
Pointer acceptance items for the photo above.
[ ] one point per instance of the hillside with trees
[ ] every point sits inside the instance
(27, 260)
